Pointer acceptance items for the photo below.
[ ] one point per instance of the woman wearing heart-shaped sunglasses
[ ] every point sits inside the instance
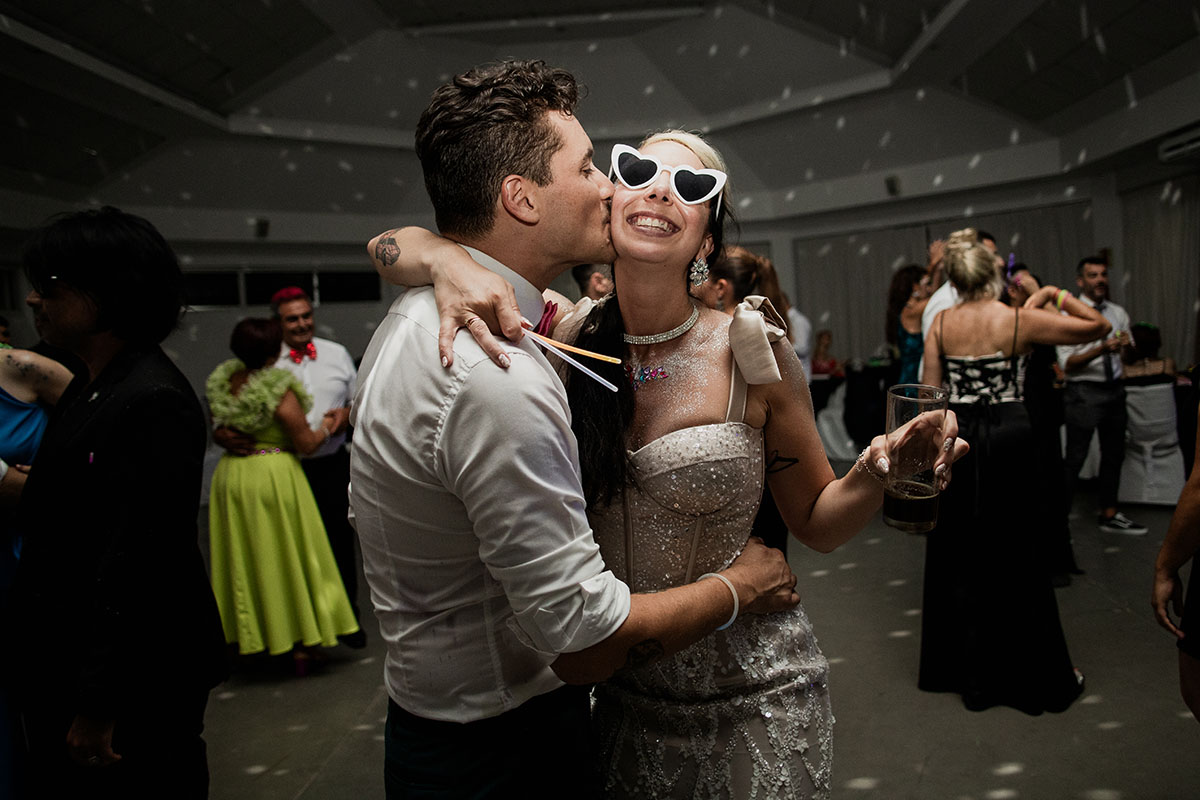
(708, 408)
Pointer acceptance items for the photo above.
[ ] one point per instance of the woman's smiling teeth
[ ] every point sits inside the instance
(646, 221)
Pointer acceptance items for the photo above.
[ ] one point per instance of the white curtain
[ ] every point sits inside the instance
(1162, 254)
(842, 281)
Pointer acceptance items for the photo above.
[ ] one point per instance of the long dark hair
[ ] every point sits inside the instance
(600, 424)
(901, 289)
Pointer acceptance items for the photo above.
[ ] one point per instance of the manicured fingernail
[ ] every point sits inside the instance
(526, 323)
(445, 362)
(948, 445)
(940, 471)
(882, 465)
(505, 361)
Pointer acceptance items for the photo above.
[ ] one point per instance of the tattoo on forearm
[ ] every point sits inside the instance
(386, 249)
(778, 463)
(643, 653)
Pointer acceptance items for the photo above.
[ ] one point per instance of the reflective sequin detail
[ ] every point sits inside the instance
(744, 713)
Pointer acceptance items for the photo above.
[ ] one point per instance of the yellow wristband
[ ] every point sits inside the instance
(1058, 301)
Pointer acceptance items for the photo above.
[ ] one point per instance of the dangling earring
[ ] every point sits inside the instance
(698, 273)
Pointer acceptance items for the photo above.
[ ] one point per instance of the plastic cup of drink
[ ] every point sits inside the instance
(916, 414)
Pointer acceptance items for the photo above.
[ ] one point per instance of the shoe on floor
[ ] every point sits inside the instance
(355, 641)
(1119, 523)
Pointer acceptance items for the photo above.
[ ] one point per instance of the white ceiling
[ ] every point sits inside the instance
(305, 107)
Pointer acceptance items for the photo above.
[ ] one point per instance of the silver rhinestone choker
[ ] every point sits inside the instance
(665, 336)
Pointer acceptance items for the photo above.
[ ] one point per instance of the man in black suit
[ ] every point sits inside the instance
(119, 633)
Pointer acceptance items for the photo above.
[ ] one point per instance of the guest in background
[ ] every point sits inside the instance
(111, 592)
(1141, 360)
(30, 385)
(1180, 546)
(273, 571)
(990, 628)
(822, 362)
(1094, 399)
(907, 298)
(595, 280)
(800, 331)
(327, 372)
(739, 273)
(1042, 395)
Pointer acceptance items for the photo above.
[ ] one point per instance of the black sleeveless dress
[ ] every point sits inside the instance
(990, 626)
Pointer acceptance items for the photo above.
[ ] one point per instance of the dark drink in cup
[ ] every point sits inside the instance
(916, 416)
(910, 506)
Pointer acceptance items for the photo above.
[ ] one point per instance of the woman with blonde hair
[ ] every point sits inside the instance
(673, 469)
(990, 628)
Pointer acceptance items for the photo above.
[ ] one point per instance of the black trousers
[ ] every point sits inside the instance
(329, 476)
(158, 739)
(1095, 406)
(542, 749)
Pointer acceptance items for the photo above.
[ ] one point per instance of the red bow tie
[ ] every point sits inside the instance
(298, 354)
(548, 312)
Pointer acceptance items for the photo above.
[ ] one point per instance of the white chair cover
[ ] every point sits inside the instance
(1153, 467)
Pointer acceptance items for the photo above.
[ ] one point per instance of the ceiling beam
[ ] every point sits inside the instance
(108, 73)
(350, 20)
(501, 24)
(957, 36)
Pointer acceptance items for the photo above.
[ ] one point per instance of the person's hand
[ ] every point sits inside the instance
(1026, 283)
(336, 420)
(1113, 344)
(763, 579)
(469, 296)
(12, 484)
(89, 742)
(234, 441)
(937, 250)
(1167, 591)
(925, 427)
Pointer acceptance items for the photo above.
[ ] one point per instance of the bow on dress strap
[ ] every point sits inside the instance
(756, 326)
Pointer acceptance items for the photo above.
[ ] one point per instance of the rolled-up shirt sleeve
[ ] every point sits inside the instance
(507, 451)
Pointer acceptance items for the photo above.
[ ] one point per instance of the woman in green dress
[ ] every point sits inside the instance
(273, 571)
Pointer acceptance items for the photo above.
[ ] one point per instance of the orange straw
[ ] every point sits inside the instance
(576, 350)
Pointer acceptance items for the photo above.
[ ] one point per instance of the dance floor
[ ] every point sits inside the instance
(272, 735)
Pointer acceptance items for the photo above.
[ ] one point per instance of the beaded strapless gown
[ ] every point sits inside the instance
(743, 713)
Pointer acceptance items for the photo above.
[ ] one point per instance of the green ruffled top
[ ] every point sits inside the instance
(252, 410)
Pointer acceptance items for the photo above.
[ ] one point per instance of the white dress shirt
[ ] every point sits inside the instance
(465, 491)
(329, 380)
(801, 330)
(1094, 369)
(945, 297)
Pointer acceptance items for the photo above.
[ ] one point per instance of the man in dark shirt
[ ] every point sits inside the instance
(111, 604)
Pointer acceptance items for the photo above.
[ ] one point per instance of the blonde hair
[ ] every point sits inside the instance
(708, 155)
(971, 267)
(710, 158)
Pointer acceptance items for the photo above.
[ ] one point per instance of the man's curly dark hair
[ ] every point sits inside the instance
(486, 124)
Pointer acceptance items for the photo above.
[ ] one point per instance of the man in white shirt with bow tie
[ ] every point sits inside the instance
(328, 374)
